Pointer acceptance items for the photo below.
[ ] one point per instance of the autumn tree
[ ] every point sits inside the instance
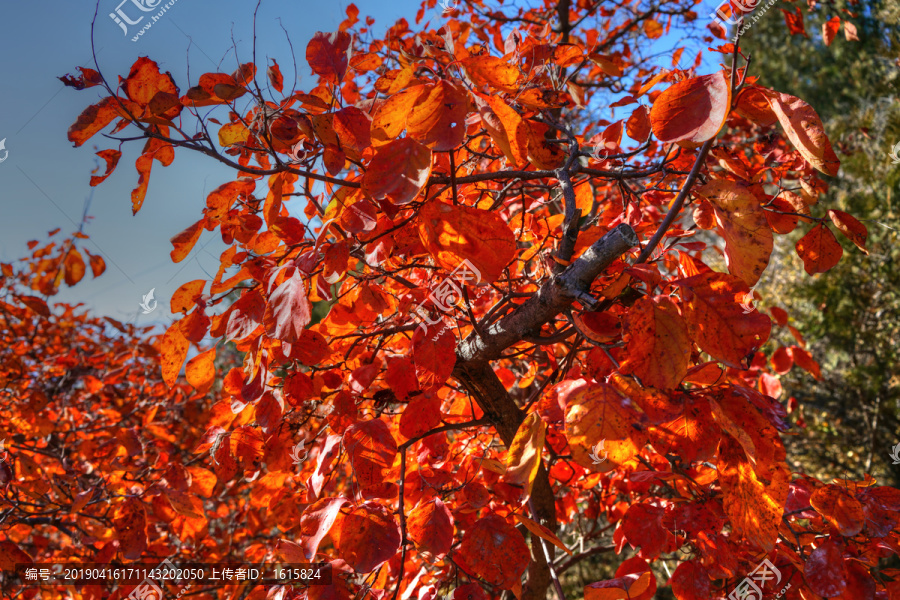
(521, 328)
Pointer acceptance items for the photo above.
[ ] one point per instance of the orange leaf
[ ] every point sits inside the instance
(233, 133)
(144, 81)
(492, 71)
(185, 297)
(184, 241)
(290, 552)
(804, 128)
(657, 345)
(819, 250)
(455, 234)
(753, 504)
(717, 321)
(74, 266)
(438, 118)
(850, 32)
(621, 588)
(652, 29)
(541, 531)
(596, 413)
(398, 171)
(748, 238)
(143, 164)
(200, 371)
(502, 123)
(495, 551)
(93, 119)
(692, 110)
(390, 118)
(524, 456)
(98, 265)
(855, 231)
(173, 350)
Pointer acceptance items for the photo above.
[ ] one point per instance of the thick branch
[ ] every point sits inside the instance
(553, 297)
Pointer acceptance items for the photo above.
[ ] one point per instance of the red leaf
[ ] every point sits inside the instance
(434, 359)
(692, 110)
(830, 29)
(495, 551)
(716, 319)
(371, 449)
(839, 508)
(430, 525)
(276, 79)
(367, 536)
(316, 522)
(288, 309)
(855, 231)
(825, 572)
(130, 524)
(328, 54)
(690, 581)
(819, 250)
(112, 159)
(643, 527)
(398, 171)
(657, 345)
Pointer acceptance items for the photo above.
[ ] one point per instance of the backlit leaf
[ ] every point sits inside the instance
(523, 459)
(455, 234)
(819, 250)
(495, 551)
(748, 238)
(692, 110)
(398, 171)
(804, 128)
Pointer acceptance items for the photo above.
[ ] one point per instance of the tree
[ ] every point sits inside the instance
(854, 91)
(520, 329)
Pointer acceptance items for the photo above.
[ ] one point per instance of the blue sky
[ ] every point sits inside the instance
(45, 180)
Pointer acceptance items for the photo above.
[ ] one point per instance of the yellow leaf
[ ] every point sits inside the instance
(524, 457)
(541, 531)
